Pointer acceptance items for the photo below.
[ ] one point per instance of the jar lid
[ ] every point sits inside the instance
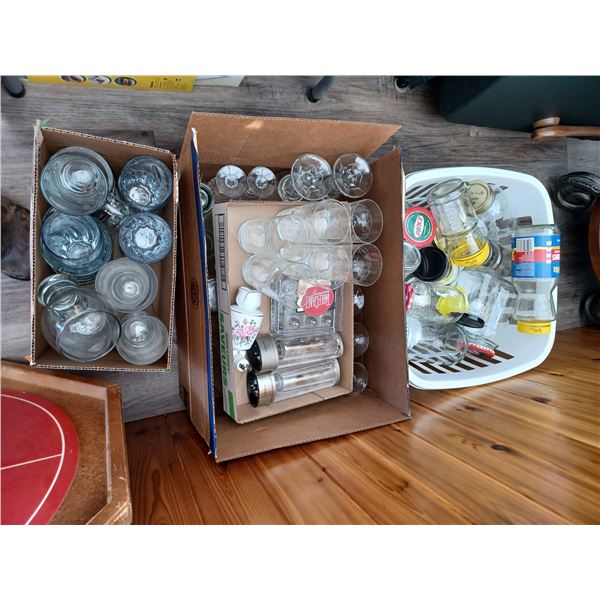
(481, 196)
(419, 226)
(534, 327)
(248, 298)
(433, 266)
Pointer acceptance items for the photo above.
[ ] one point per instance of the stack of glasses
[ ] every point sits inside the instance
(459, 291)
(322, 245)
(76, 242)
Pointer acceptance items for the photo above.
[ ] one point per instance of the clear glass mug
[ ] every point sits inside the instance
(145, 183)
(77, 322)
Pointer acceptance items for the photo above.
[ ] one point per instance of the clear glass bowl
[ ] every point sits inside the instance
(145, 237)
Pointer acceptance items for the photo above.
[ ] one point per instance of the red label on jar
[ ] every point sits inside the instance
(316, 300)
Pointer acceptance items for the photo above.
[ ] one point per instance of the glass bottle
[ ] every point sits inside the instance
(352, 175)
(261, 183)
(144, 338)
(145, 237)
(289, 382)
(145, 183)
(77, 322)
(269, 352)
(127, 285)
(78, 182)
(535, 272)
(78, 246)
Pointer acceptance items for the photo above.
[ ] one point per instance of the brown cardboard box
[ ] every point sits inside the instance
(48, 141)
(276, 143)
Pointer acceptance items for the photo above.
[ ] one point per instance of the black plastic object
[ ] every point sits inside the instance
(591, 308)
(577, 191)
(434, 263)
(315, 93)
(13, 84)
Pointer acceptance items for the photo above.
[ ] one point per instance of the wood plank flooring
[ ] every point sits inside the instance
(160, 118)
(523, 450)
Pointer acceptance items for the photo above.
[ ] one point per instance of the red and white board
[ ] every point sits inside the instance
(39, 454)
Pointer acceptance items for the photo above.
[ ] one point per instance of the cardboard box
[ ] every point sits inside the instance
(47, 141)
(229, 258)
(213, 140)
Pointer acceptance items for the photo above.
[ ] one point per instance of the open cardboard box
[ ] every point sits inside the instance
(47, 141)
(213, 140)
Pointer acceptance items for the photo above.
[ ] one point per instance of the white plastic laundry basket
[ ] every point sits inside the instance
(517, 352)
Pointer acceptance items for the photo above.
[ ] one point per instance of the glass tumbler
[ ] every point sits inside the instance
(231, 181)
(367, 264)
(329, 263)
(78, 246)
(358, 299)
(366, 221)
(325, 222)
(77, 322)
(286, 191)
(78, 182)
(289, 382)
(270, 352)
(261, 183)
(144, 338)
(145, 237)
(145, 183)
(360, 339)
(437, 344)
(128, 286)
(352, 175)
(312, 177)
(360, 378)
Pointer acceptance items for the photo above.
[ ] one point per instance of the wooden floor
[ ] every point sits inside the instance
(427, 140)
(524, 450)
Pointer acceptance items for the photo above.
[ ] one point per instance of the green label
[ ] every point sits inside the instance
(419, 227)
(224, 351)
(231, 403)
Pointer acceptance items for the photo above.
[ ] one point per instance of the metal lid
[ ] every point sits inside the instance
(420, 226)
(260, 388)
(451, 189)
(481, 196)
(433, 265)
(263, 355)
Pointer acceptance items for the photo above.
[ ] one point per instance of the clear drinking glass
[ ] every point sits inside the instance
(270, 352)
(144, 338)
(286, 190)
(352, 175)
(358, 299)
(360, 378)
(437, 344)
(329, 263)
(312, 177)
(145, 183)
(325, 222)
(261, 183)
(231, 181)
(367, 264)
(366, 221)
(289, 382)
(77, 322)
(78, 246)
(128, 286)
(360, 339)
(145, 237)
(278, 279)
(78, 182)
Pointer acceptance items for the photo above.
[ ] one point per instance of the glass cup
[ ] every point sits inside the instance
(436, 344)
(352, 175)
(145, 183)
(366, 221)
(360, 339)
(312, 177)
(78, 182)
(128, 286)
(231, 181)
(326, 222)
(411, 257)
(261, 183)
(77, 322)
(145, 237)
(367, 264)
(286, 191)
(358, 299)
(144, 338)
(360, 378)
(78, 246)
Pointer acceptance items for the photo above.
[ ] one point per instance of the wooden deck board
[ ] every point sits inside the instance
(524, 450)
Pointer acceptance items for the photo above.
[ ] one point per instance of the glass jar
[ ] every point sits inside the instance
(480, 286)
(433, 302)
(77, 322)
(269, 352)
(411, 257)
(535, 272)
(289, 382)
(434, 266)
(491, 207)
(78, 246)
(436, 344)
